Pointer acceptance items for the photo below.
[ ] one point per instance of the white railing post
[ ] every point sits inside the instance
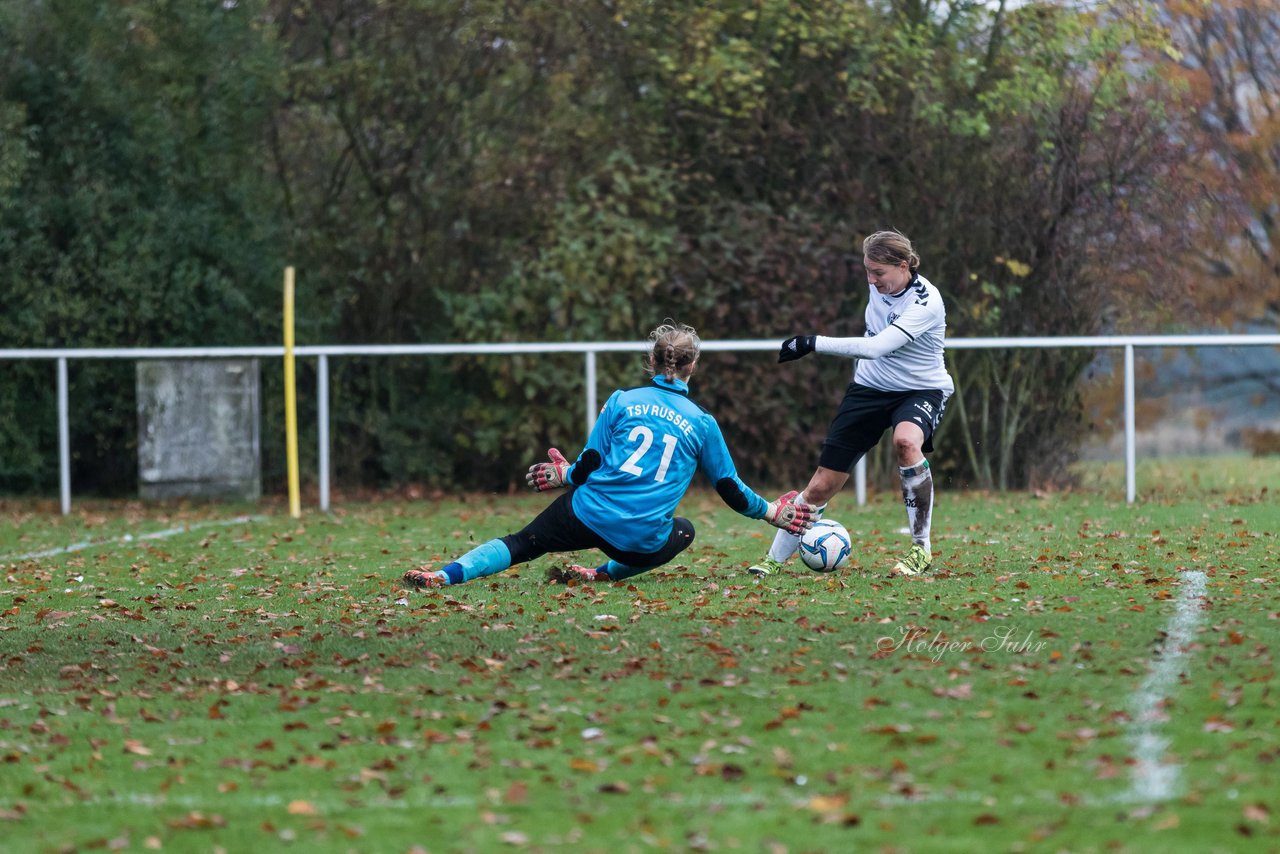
(860, 480)
(322, 425)
(1130, 432)
(64, 437)
(592, 408)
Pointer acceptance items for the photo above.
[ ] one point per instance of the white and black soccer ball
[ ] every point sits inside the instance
(825, 546)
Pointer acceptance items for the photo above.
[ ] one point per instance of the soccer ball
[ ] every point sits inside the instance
(824, 547)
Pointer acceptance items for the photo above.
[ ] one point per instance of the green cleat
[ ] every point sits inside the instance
(917, 562)
(765, 568)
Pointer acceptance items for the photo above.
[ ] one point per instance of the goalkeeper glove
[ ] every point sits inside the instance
(552, 475)
(796, 347)
(792, 516)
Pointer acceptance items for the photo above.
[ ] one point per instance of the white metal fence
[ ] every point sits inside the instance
(589, 351)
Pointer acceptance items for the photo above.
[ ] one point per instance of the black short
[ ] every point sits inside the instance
(864, 415)
(558, 529)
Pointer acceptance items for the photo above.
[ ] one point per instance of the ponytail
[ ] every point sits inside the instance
(673, 349)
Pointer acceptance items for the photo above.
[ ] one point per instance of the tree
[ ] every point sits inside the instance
(720, 162)
(1029, 153)
(468, 172)
(1229, 55)
(476, 170)
(130, 208)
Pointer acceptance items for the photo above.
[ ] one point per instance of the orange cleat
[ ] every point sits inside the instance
(423, 579)
(573, 572)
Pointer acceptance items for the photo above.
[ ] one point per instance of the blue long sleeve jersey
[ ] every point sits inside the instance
(640, 459)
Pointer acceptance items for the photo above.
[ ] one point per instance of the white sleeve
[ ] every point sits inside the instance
(888, 340)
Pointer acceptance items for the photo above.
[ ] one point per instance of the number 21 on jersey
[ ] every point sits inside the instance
(645, 437)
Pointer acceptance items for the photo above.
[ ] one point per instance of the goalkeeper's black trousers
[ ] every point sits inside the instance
(558, 529)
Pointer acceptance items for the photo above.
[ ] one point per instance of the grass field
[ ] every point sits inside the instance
(1078, 675)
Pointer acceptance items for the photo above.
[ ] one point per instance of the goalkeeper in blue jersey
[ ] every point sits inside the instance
(623, 489)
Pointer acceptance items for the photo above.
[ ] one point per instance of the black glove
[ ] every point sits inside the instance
(796, 347)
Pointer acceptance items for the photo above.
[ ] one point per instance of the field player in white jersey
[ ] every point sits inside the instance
(900, 381)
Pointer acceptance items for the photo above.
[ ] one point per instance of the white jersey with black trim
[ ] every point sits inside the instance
(917, 311)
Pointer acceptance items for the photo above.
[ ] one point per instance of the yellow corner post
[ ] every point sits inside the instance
(290, 399)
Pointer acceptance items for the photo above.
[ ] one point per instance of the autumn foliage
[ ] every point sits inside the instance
(550, 171)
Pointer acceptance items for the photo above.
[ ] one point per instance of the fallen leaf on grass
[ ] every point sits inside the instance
(1217, 724)
(136, 747)
(1257, 812)
(197, 821)
(827, 803)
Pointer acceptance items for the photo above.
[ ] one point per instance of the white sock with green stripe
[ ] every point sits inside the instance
(917, 495)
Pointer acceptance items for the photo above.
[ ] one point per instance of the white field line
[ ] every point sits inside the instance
(1153, 779)
(798, 801)
(129, 538)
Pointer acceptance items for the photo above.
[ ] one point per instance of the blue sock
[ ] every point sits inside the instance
(486, 559)
(621, 572)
